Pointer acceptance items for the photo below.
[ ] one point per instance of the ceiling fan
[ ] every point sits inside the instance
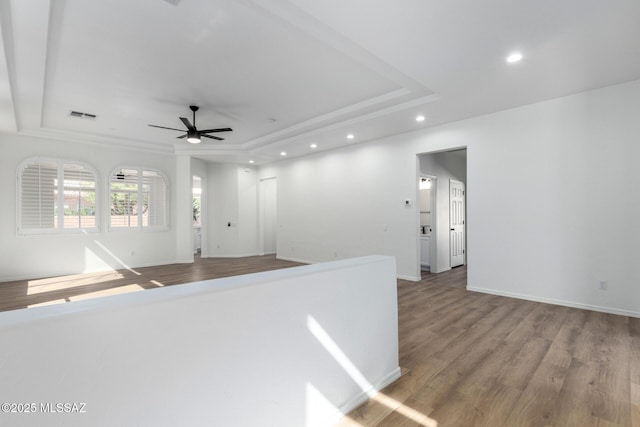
(194, 135)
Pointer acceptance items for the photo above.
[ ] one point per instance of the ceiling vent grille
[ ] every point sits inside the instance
(82, 115)
(173, 2)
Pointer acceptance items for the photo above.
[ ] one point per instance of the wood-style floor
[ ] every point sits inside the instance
(472, 359)
(468, 359)
(54, 290)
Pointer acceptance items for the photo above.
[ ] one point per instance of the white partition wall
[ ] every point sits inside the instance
(290, 347)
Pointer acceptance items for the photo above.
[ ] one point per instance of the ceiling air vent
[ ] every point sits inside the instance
(82, 115)
(173, 2)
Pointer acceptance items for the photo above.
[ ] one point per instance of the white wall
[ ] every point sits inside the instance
(553, 201)
(30, 256)
(291, 347)
(346, 203)
(552, 207)
(445, 166)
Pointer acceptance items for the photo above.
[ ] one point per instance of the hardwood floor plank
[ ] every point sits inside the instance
(563, 345)
(635, 404)
(396, 419)
(496, 405)
(537, 402)
(579, 395)
(520, 369)
(634, 350)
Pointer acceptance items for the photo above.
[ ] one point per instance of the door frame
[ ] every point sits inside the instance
(434, 234)
(204, 239)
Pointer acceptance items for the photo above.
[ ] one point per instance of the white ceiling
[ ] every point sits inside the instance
(284, 74)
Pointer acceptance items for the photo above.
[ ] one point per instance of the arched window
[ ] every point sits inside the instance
(138, 199)
(55, 196)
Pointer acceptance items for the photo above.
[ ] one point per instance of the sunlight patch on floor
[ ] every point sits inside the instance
(346, 421)
(51, 284)
(113, 291)
(350, 368)
(402, 409)
(42, 304)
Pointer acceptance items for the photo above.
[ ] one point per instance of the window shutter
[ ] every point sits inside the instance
(138, 199)
(154, 196)
(124, 198)
(79, 197)
(38, 192)
(54, 196)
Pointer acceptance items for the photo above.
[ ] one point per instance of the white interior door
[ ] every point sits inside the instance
(268, 198)
(457, 222)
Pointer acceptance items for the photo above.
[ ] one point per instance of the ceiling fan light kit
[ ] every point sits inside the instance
(193, 138)
(193, 135)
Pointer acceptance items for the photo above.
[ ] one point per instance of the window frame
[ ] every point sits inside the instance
(140, 170)
(59, 217)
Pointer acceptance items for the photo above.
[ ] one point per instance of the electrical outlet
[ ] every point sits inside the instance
(604, 285)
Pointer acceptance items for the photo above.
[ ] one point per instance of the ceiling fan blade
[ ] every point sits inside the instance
(187, 123)
(216, 130)
(212, 137)
(182, 136)
(162, 127)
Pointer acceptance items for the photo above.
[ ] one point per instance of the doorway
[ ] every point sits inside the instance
(196, 188)
(448, 247)
(427, 204)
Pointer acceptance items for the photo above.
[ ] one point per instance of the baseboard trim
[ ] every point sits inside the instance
(230, 255)
(104, 270)
(305, 261)
(302, 261)
(410, 278)
(601, 309)
(362, 397)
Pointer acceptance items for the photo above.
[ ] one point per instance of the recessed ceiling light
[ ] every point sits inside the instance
(514, 57)
(251, 161)
(420, 118)
(350, 136)
(283, 153)
(313, 145)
